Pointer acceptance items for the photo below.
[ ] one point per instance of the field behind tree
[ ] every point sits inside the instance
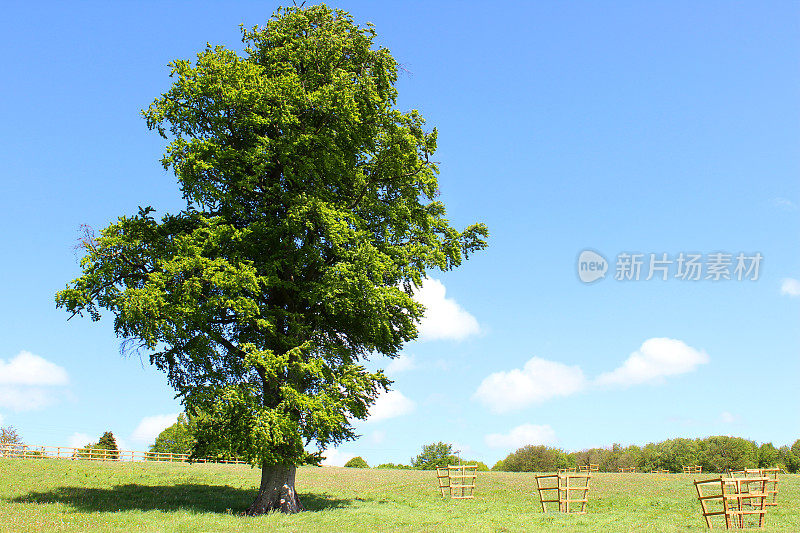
(64, 495)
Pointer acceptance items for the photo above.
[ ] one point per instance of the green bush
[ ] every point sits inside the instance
(395, 466)
(481, 465)
(356, 462)
(434, 455)
(177, 438)
(535, 459)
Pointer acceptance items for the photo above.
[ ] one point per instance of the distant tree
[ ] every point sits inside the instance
(9, 435)
(499, 466)
(395, 466)
(89, 451)
(652, 457)
(596, 456)
(177, 438)
(105, 448)
(609, 461)
(768, 455)
(791, 461)
(792, 458)
(678, 453)
(534, 458)
(434, 455)
(108, 442)
(356, 462)
(11, 441)
(722, 453)
(481, 465)
(630, 457)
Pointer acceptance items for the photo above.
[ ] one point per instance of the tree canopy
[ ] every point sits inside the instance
(356, 462)
(9, 435)
(436, 454)
(177, 438)
(714, 454)
(311, 216)
(107, 441)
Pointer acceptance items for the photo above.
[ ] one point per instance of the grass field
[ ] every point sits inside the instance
(62, 495)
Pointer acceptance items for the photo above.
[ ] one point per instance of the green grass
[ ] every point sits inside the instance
(61, 495)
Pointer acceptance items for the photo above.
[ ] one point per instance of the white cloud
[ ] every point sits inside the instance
(150, 426)
(444, 319)
(25, 398)
(790, 287)
(655, 359)
(402, 363)
(784, 203)
(378, 437)
(79, 440)
(522, 436)
(727, 418)
(389, 405)
(536, 382)
(336, 458)
(30, 369)
(23, 381)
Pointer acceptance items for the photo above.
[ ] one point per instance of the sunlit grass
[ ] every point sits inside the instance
(52, 495)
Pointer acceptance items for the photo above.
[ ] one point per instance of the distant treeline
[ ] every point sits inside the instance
(714, 454)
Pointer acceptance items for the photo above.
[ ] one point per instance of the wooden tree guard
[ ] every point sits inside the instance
(696, 469)
(457, 481)
(561, 488)
(629, 470)
(565, 470)
(659, 471)
(772, 481)
(740, 500)
(591, 467)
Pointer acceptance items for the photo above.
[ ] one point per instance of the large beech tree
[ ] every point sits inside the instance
(310, 217)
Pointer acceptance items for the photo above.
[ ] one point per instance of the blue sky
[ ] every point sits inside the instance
(658, 127)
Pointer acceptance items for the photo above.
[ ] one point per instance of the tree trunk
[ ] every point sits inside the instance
(276, 492)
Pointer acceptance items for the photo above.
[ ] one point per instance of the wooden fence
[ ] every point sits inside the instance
(24, 451)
